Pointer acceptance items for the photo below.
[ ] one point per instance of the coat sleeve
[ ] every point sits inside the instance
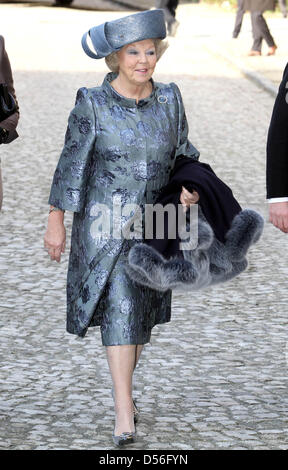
(277, 144)
(184, 146)
(69, 185)
(6, 73)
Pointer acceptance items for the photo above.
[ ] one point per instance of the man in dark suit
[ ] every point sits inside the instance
(277, 159)
(8, 126)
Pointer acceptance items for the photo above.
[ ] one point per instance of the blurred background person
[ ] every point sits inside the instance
(283, 8)
(260, 28)
(169, 7)
(239, 18)
(8, 124)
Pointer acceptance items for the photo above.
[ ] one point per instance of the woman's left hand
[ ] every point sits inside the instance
(187, 198)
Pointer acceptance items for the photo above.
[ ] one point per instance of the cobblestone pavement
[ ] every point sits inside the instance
(213, 378)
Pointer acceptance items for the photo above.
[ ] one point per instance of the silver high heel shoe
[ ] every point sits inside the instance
(124, 439)
(136, 413)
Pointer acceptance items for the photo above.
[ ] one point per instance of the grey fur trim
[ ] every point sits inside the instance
(209, 263)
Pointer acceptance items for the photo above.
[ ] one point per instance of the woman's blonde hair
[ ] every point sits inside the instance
(112, 59)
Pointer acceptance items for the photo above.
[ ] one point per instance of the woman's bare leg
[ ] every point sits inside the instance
(139, 349)
(122, 360)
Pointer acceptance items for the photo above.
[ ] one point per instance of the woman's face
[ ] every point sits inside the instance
(137, 61)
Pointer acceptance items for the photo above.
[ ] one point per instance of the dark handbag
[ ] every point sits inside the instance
(8, 105)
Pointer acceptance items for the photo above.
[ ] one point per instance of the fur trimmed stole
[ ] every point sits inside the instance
(225, 234)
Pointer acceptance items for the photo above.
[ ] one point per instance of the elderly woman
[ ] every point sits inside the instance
(121, 144)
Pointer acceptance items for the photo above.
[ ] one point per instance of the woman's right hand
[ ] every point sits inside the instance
(55, 236)
(278, 215)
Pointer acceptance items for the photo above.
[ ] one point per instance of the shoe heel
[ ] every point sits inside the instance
(136, 413)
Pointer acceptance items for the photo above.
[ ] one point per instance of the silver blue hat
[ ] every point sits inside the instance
(111, 36)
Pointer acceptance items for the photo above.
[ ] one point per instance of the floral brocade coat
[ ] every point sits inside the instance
(115, 150)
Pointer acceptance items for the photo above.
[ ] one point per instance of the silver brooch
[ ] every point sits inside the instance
(162, 99)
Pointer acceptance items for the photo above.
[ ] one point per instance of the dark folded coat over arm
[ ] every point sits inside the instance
(225, 233)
